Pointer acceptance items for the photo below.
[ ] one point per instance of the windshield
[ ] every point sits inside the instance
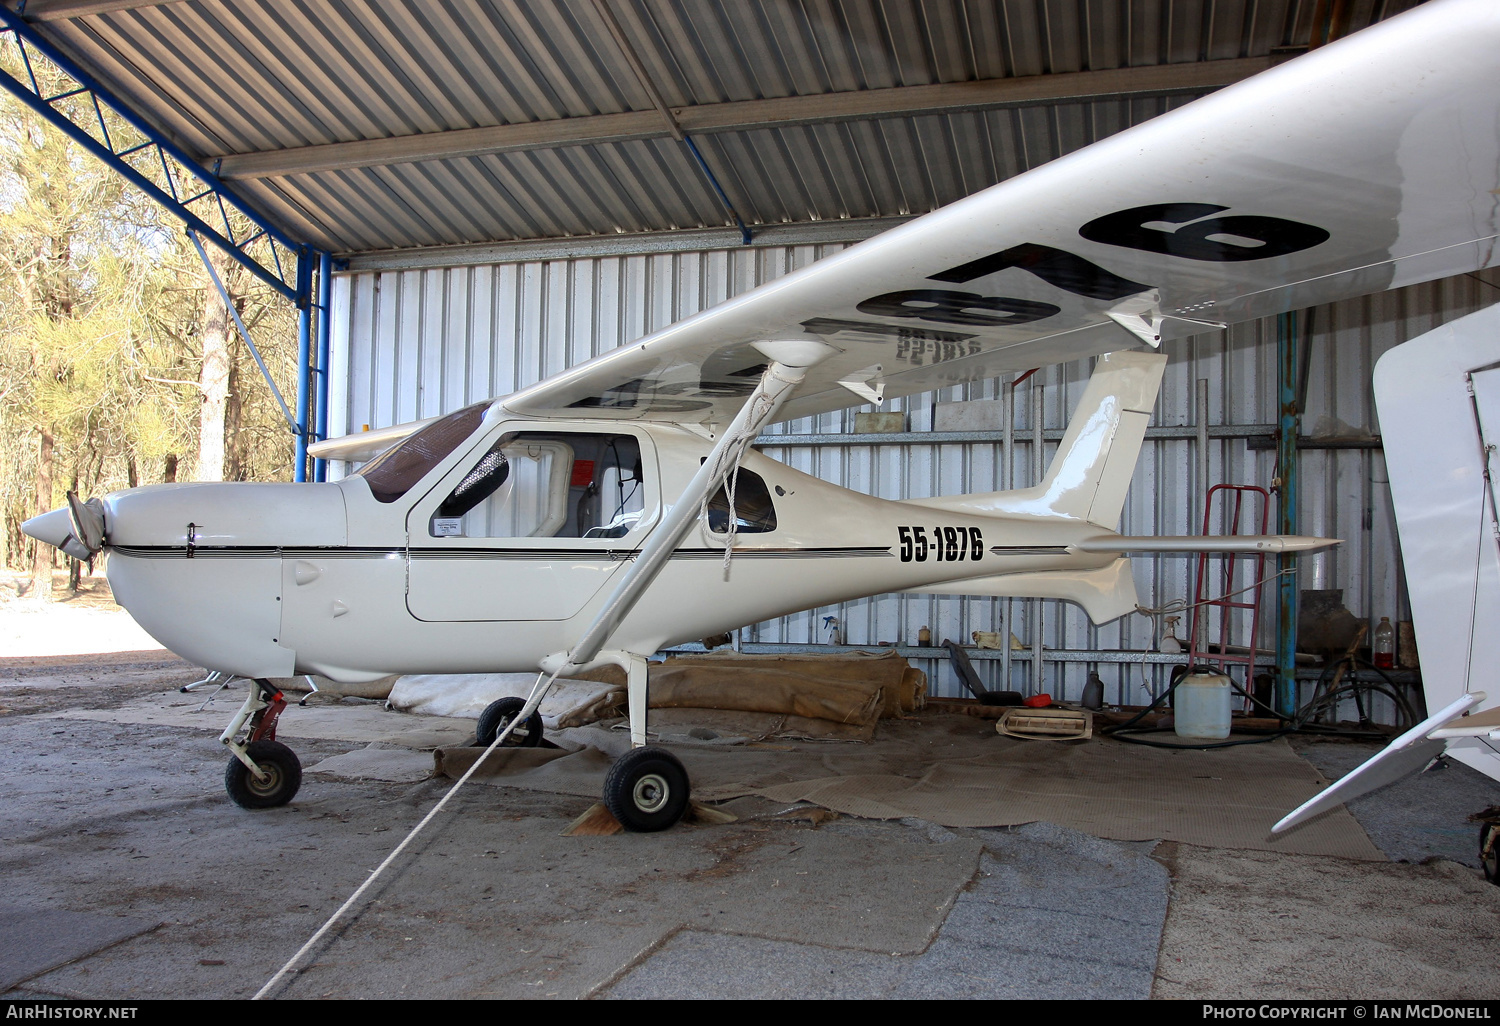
(394, 471)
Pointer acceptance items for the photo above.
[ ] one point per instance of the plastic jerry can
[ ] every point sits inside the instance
(1201, 706)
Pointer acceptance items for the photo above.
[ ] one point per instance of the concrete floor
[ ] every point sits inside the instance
(128, 828)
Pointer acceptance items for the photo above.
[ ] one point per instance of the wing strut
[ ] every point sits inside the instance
(790, 360)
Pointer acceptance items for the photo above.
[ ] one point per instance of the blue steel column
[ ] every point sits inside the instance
(1288, 589)
(304, 362)
(325, 294)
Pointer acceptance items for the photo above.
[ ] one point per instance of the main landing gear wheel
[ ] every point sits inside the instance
(1489, 852)
(283, 776)
(646, 789)
(498, 714)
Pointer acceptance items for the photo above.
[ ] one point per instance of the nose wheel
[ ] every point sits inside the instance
(264, 773)
(281, 776)
(646, 789)
(497, 716)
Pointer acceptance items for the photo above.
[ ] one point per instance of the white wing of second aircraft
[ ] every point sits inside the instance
(1364, 165)
(1438, 398)
(1404, 756)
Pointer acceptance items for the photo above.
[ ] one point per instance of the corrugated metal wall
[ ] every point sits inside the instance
(412, 344)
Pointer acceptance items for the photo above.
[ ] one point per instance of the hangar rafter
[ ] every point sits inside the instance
(746, 115)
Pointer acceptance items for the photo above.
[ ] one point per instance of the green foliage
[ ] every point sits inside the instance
(101, 297)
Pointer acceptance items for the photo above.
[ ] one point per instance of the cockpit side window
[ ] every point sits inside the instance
(547, 485)
(478, 484)
(754, 513)
(392, 473)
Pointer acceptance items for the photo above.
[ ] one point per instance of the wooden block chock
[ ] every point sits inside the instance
(598, 821)
(700, 813)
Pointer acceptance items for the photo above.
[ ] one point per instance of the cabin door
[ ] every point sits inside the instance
(532, 528)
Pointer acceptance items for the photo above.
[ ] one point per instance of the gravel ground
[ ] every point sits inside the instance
(130, 826)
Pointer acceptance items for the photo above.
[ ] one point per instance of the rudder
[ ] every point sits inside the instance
(1096, 458)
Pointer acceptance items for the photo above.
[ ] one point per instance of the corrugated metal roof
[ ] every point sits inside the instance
(251, 76)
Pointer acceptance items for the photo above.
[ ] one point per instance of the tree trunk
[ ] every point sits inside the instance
(214, 376)
(234, 439)
(69, 562)
(41, 558)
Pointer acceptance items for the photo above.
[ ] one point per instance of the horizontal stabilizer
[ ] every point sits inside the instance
(1270, 543)
(1480, 724)
(1105, 593)
(1402, 757)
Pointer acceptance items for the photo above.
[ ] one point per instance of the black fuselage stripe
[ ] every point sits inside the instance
(354, 552)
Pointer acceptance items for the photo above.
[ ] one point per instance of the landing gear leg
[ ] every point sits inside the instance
(790, 360)
(264, 772)
(636, 671)
(647, 788)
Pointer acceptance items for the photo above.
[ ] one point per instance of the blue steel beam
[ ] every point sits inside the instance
(714, 181)
(1288, 587)
(324, 294)
(304, 373)
(163, 185)
(187, 191)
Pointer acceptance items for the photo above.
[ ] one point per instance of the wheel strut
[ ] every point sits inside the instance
(264, 772)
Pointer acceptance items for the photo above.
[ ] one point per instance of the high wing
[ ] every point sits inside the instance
(1365, 165)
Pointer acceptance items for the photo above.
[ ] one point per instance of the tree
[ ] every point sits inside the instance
(72, 266)
(105, 324)
(213, 379)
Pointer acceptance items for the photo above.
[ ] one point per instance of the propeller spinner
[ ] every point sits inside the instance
(77, 529)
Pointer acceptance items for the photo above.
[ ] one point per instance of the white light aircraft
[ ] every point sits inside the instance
(1438, 397)
(583, 521)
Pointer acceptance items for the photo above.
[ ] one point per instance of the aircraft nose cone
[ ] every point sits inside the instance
(56, 529)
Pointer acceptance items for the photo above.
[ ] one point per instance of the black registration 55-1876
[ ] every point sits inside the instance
(941, 544)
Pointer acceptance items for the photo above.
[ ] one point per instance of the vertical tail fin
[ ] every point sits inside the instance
(1091, 472)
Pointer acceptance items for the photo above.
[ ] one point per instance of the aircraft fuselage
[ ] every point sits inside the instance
(269, 580)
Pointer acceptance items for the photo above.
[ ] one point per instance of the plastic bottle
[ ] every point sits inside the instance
(1169, 642)
(1093, 692)
(1385, 644)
